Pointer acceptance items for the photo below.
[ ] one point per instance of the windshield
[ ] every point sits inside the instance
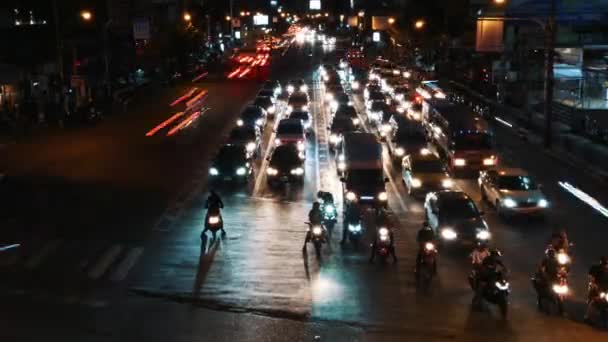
(285, 155)
(298, 100)
(427, 166)
(342, 124)
(290, 129)
(362, 178)
(262, 101)
(252, 113)
(299, 115)
(411, 136)
(241, 134)
(516, 183)
(346, 110)
(473, 141)
(459, 208)
(234, 153)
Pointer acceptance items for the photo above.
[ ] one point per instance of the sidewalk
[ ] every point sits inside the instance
(568, 147)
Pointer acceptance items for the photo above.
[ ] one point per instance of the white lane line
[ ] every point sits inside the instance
(316, 118)
(583, 196)
(126, 264)
(504, 122)
(105, 261)
(36, 259)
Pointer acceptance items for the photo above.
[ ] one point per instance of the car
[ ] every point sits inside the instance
(286, 165)
(424, 172)
(291, 131)
(231, 164)
(512, 191)
(266, 103)
(296, 85)
(252, 116)
(375, 96)
(409, 137)
(376, 110)
(340, 124)
(297, 101)
(332, 91)
(350, 111)
(454, 218)
(247, 136)
(274, 86)
(340, 99)
(303, 116)
(268, 93)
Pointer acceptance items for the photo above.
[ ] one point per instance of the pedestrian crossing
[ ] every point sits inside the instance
(67, 270)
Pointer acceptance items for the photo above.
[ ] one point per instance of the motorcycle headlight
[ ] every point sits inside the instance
(303, 88)
(333, 104)
(448, 234)
(386, 128)
(316, 230)
(429, 246)
(251, 147)
(399, 151)
(560, 289)
(334, 139)
(277, 90)
(460, 162)
(351, 196)
(354, 227)
(350, 103)
(329, 97)
(396, 72)
(289, 109)
(259, 122)
(543, 203)
(277, 141)
(401, 109)
(341, 166)
(241, 171)
(297, 171)
(239, 122)
(330, 209)
(383, 231)
(214, 219)
(483, 235)
(382, 196)
(290, 89)
(272, 171)
(355, 85)
(447, 183)
(213, 171)
(563, 258)
(304, 108)
(356, 121)
(509, 203)
(416, 183)
(502, 286)
(489, 161)
(271, 109)
(301, 146)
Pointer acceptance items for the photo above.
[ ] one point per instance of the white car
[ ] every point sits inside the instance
(512, 191)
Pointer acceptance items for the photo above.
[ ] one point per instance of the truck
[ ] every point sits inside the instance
(360, 165)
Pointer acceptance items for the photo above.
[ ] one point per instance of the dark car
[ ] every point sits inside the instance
(253, 116)
(230, 164)
(340, 124)
(268, 93)
(350, 111)
(408, 138)
(297, 101)
(247, 136)
(266, 103)
(296, 85)
(291, 131)
(454, 217)
(272, 85)
(303, 116)
(375, 111)
(286, 165)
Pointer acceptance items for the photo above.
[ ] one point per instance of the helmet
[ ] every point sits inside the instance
(316, 205)
(319, 194)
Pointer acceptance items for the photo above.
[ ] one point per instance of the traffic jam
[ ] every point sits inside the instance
(390, 133)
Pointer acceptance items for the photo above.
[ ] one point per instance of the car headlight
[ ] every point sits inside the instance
(277, 141)
(489, 161)
(543, 203)
(272, 171)
(407, 74)
(349, 103)
(460, 162)
(290, 89)
(351, 196)
(251, 147)
(297, 171)
(356, 121)
(341, 166)
(334, 139)
(271, 109)
(259, 122)
(329, 97)
(396, 72)
(303, 88)
(305, 108)
(509, 203)
(354, 227)
(383, 196)
(483, 235)
(289, 109)
(355, 85)
(416, 183)
(447, 183)
(448, 234)
(316, 230)
(213, 171)
(301, 146)
(241, 171)
(239, 122)
(399, 151)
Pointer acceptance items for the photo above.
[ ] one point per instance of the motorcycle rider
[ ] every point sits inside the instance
(559, 240)
(547, 273)
(598, 282)
(382, 221)
(425, 234)
(490, 266)
(479, 254)
(352, 215)
(214, 204)
(314, 217)
(325, 197)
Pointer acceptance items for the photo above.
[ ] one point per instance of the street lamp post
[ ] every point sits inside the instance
(59, 48)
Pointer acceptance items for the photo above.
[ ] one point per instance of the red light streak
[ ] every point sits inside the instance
(244, 72)
(164, 124)
(236, 71)
(196, 98)
(184, 97)
(185, 123)
(200, 76)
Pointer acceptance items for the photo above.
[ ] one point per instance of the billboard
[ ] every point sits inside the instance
(315, 4)
(489, 36)
(260, 20)
(353, 21)
(380, 23)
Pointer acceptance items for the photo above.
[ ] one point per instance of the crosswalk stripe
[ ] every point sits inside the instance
(36, 259)
(126, 264)
(105, 261)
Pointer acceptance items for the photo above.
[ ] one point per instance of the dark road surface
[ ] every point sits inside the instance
(118, 256)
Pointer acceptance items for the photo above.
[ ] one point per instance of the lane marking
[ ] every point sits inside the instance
(504, 122)
(105, 261)
(583, 196)
(36, 259)
(126, 264)
(6, 248)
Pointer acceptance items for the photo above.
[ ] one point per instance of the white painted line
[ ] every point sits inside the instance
(6, 248)
(583, 196)
(126, 264)
(36, 259)
(105, 261)
(504, 122)
(316, 118)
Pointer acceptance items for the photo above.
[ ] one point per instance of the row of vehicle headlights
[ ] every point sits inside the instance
(448, 233)
(511, 203)
(258, 122)
(296, 172)
(486, 161)
(303, 88)
(446, 183)
(351, 196)
(241, 171)
(290, 108)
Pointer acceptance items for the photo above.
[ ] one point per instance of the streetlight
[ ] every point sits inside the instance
(228, 18)
(242, 14)
(391, 20)
(419, 24)
(499, 2)
(86, 15)
(361, 14)
(187, 17)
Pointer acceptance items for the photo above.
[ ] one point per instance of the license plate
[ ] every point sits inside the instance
(284, 179)
(227, 178)
(367, 197)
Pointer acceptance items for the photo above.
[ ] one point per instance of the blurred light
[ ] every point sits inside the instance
(86, 15)
(361, 14)
(584, 197)
(187, 16)
(228, 18)
(419, 24)
(391, 20)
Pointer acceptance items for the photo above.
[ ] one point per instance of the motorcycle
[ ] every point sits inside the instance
(355, 231)
(427, 265)
(555, 292)
(317, 237)
(214, 222)
(495, 291)
(330, 215)
(601, 305)
(383, 243)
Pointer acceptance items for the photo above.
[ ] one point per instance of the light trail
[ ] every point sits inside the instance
(199, 77)
(185, 123)
(196, 98)
(583, 196)
(504, 122)
(184, 97)
(164, 124)
(6, 248)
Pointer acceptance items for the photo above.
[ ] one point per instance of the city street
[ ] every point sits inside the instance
(110, 222)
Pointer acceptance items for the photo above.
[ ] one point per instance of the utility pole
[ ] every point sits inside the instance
(59, 42)
(549, 77)
(231, 19)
